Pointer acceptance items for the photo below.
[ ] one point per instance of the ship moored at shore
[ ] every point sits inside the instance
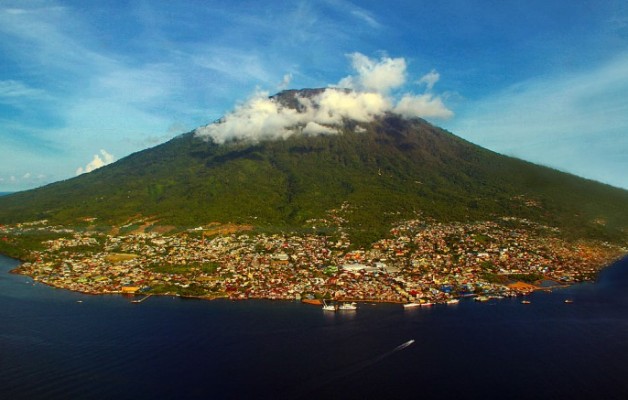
(348, 307)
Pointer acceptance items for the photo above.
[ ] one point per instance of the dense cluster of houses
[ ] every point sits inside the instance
(419, 261)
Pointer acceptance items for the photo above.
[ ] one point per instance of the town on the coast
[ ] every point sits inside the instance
(421, 261)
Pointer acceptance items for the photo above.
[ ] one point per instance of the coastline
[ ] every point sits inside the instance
(16, 271)
(55, 346)
(420, 262)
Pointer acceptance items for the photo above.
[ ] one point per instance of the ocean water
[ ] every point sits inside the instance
(54, 347)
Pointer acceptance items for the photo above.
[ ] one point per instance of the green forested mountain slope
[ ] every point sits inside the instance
(389, 171)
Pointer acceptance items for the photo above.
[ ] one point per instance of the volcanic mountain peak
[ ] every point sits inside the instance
(386, 167)
(289, 96)
(300, 99)
(306, 111)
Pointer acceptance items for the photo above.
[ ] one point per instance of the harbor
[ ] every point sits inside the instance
(288, 349)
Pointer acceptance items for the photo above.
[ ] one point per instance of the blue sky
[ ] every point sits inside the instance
(86, 83)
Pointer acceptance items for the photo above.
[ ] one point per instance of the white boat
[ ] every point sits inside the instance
(568, 301)
(453, 301)
(526, 302)
(404, 345)
(329, 307)
(427, 304)
(410, 305)
(348, 307)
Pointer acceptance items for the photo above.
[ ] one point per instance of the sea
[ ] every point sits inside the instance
(56, 344)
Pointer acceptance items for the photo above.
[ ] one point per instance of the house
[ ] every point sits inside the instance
(130, 289)
(280, 259)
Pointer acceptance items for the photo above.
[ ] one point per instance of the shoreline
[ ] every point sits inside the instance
(238, 271)
(171, 331)
(212, 298)
(14, 271)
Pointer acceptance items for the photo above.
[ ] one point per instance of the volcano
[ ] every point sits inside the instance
(385, 169)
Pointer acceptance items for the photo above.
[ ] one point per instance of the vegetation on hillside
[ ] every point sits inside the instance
(388, 170)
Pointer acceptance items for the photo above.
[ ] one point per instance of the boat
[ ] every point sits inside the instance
(525, 302)
(348, 307)
(453, 301)
(404, 345)
(427, 304)
(568, 301)
(481, 298)
(315, 302)
(329, 307)
(410, 305)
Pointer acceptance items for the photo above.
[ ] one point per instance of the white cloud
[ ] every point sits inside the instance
(263, 118)
(233, 64)
(91, 93)
(361, 98)
(150, 85)
(81, 94)
(366, 17)
(96, 162)
(11, 89)
(285, 82)
(314, 128)
(423, 106)
(44, 29)
(574, 122)
(430, 79)
(358, 13)
(334, 105)
(379, 76)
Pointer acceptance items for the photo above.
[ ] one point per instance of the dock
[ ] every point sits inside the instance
(142, 299)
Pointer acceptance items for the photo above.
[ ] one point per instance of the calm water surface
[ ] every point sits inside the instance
(53, 347)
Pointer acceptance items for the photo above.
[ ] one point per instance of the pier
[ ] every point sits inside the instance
(142, 299)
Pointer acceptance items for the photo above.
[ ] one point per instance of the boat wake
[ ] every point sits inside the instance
(307, 390)
(403, 345)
